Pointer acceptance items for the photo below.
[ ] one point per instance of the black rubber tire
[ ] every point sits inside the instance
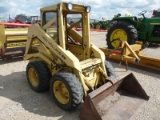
(110, 70)
(43, 73)
(129, 29)
(145, 45)
(73, 86)
(113, 23)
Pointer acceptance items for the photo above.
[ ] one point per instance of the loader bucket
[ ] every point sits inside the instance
(116, 101)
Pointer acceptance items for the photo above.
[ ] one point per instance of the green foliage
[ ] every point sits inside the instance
(22, 17)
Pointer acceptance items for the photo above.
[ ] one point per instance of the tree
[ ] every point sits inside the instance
(22, 17)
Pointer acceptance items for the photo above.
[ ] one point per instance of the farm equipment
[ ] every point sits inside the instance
(131, 54)
(74, 69)
(33, 19)
(131, 29)
(12, 40)
(103, 25)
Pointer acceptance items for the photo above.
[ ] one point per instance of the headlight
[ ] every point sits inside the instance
(88, 9)
(69, 6)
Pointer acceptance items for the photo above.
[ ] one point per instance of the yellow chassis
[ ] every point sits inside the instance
(132, 54)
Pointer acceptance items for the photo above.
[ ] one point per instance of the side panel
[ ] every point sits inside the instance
(66, 56)
(149, 30)
(2, 40)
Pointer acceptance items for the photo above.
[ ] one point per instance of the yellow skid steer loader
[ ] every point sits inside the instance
(74, 69)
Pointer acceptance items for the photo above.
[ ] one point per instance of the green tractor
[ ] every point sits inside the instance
(131, 29)
(103, 24)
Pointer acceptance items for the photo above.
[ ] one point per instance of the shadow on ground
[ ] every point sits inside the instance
(15, 88)
(10, 60)
(154, 45)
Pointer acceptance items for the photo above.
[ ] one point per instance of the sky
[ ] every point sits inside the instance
(99, 8)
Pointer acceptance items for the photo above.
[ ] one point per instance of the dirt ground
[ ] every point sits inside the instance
(19, 102)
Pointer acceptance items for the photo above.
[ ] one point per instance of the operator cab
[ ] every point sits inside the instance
(62, 26)
(50, 24)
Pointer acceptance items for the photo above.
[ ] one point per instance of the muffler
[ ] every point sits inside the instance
(114, 101)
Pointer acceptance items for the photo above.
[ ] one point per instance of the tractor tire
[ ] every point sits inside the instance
(38, 76)
(112, 23)
(110, 70)
(66, 90)
(122, 30)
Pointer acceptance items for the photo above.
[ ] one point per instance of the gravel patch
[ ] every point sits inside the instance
(18, 101)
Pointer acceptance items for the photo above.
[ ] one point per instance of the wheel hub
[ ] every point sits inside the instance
(33, 77)
(61, 92)
(118, 33)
